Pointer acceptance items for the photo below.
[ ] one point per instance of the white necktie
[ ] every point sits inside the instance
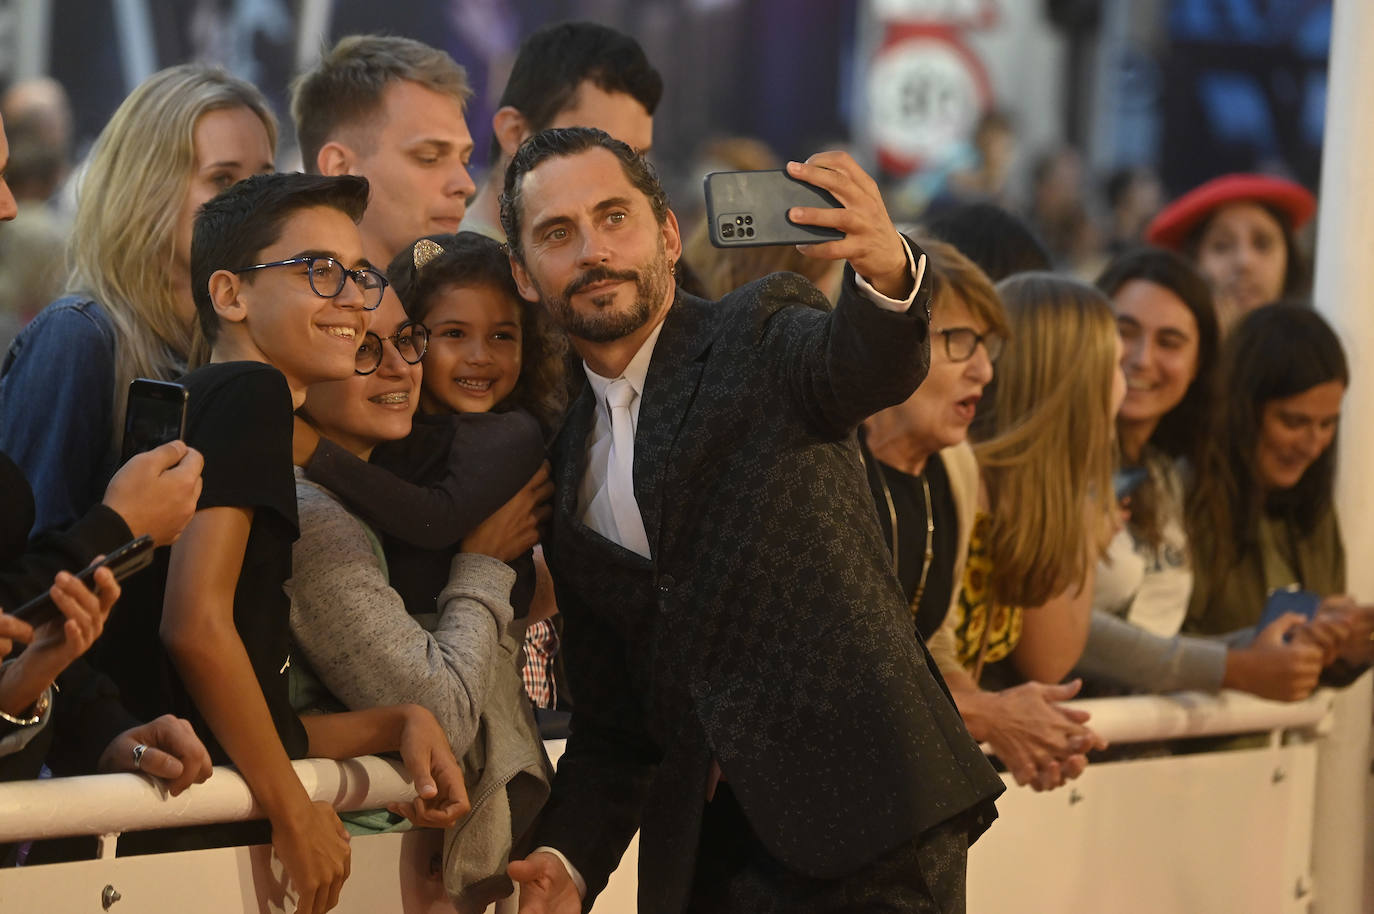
(620, 486)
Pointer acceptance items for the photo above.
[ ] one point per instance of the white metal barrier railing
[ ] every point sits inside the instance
(107, 804)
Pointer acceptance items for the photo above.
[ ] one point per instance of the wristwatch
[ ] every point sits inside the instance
(40, 707)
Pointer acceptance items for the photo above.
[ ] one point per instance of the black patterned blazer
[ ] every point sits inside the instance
(768, 631)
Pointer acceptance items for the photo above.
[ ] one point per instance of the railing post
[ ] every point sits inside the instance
(1345, 282)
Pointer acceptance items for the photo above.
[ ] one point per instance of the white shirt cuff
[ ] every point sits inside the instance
(572, 870)
(918, 270)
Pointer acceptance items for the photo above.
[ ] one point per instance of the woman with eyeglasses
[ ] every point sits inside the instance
(1043, 510)
(362, 646)
(179, 138)
(925, 484)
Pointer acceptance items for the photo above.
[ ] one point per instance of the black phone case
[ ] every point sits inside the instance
(148, 396)
(133, 556)
(749, 209)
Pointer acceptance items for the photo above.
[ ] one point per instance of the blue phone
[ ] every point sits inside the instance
(1289, 600)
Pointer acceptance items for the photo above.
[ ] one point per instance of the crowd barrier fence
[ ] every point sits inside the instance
(1223, 830)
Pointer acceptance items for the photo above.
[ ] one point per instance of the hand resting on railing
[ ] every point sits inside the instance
(1043, 744)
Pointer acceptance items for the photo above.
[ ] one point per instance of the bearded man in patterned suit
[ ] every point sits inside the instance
(749, 690)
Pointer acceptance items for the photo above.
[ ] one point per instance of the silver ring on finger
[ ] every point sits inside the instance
(138, 755)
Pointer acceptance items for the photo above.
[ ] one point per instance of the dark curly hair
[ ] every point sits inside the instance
(470, 259)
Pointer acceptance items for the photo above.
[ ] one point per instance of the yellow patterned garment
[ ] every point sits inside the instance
(971, 615)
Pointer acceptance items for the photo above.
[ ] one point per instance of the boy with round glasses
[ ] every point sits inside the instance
(282, 292)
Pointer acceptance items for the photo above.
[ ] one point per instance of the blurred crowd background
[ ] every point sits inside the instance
(1083, 116)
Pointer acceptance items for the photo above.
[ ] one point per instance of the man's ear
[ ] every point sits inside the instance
(511, 129)
(334, 158)
(672, 238)
(528, 291)
(224, 296)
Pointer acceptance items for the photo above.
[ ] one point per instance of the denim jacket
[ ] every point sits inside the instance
(57, 408)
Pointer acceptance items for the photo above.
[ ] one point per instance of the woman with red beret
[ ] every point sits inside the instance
(1238, 231)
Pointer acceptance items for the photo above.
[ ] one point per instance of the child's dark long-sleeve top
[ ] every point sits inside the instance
(428, 491)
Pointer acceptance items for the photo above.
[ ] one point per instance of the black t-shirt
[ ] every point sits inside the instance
(239, 416)
(908, 510)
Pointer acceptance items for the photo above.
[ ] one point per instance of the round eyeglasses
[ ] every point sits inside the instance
(960, 343)
(327, 277)
(411, 339)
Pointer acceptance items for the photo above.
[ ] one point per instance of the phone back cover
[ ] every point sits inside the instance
(751, 206)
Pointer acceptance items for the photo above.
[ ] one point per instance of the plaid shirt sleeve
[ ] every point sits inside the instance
(541, 646)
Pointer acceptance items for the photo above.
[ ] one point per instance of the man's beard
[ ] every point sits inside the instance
(652, 281)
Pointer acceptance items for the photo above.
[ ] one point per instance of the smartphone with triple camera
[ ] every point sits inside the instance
(749, 209)
(155, 416)
(134, 555)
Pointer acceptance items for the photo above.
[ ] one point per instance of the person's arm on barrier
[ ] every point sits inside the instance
(343, 608)
(411, 730)
(1120, 652)
(1273, 667)
(172, 752)
(1040, 742)
(1343, 629)
(199, 633)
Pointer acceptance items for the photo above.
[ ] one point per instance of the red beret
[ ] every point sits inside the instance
(1172, 226)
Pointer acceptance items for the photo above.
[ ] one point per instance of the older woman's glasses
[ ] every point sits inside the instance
(411, 339)
(327, 277)
(960, 343)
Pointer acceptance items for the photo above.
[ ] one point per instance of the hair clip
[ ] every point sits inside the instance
(425, 251)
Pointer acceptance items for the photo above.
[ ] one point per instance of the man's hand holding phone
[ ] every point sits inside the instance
(871, 243)
(156, 491)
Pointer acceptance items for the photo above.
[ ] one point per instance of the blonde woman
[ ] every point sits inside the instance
(181, 137)
(1046, 506)
(925, 485)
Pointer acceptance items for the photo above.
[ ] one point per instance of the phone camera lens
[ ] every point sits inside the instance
(748, 220)
(749, 232)
(739, 220)
(727, 230)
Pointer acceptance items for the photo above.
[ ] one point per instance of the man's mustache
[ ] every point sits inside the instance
(596, 275)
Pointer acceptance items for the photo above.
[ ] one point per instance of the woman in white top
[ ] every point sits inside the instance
(1170, 339)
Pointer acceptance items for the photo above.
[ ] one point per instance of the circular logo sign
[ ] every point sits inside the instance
(925, 94)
